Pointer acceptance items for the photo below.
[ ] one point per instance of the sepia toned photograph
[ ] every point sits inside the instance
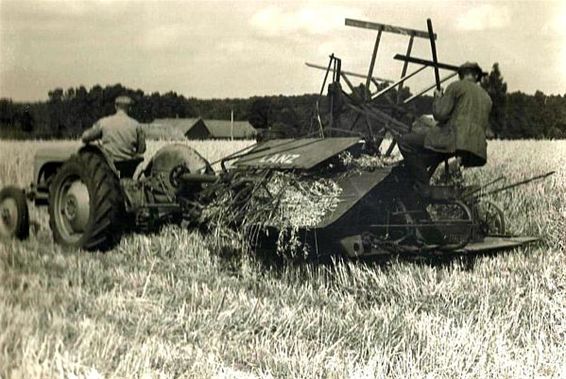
(282, 189)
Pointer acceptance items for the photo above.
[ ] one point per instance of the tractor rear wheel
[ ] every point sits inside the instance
(14, 214)
(86, 204)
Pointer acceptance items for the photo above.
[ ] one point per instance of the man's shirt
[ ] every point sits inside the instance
(120, 135)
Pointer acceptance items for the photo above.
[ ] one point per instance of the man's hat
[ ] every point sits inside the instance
(471, 66)
(123, 100)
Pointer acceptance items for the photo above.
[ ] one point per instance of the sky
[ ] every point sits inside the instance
(220, 49)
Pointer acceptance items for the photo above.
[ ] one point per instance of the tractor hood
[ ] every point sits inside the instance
(301, 154)
(55, 153)
(52, 156)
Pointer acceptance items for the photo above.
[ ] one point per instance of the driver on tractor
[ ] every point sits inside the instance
(462, 115)
(120, 135)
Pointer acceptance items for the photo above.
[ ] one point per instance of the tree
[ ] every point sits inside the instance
(497, 90)
(26, 120)
(7, 110)
(260, 113)
(56, 126)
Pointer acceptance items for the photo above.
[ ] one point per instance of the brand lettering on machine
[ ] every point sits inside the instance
(280, 159)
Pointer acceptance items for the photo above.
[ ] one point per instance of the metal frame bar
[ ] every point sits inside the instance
(525, 181)
(372, 63)
(429, 88)
(387, 28)
(354, 74)
(433, 51)
(398, 99)
(405, 67)
(398, 83)
(425, 62)
(383, 118)
(348, 82)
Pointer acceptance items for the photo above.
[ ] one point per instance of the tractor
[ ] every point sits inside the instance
(93, 200)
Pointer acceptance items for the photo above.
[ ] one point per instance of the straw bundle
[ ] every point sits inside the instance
(281, 200)
(365, 162)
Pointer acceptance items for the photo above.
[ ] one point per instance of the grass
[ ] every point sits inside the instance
(168, 305)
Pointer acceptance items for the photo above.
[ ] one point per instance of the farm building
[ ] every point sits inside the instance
(197, 128)
(221, 129)
(169, 128)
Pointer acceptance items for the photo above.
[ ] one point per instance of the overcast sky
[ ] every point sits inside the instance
(223, 49)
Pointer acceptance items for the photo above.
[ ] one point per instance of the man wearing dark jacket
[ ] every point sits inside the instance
(462, 114)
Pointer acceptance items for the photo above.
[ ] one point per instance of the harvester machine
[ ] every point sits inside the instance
(378, 209)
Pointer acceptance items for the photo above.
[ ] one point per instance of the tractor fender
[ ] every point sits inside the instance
(48, 161)
(38, 191)
(46, 171)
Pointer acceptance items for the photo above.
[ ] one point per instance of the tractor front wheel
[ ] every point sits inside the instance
(86, 205)
(14, 214)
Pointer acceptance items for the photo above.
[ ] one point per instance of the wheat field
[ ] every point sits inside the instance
(171, 306)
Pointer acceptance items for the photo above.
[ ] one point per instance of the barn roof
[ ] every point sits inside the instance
(177, 128)
(223, 129)
(169, 128)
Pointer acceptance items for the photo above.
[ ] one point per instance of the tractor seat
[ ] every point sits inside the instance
(127, 168)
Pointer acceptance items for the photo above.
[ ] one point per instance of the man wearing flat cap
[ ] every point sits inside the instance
(120, 135)
(462, 114)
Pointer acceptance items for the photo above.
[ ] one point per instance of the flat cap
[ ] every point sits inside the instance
(126, 100)
(472, 66)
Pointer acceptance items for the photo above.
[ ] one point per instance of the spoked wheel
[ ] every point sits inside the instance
(14, 214)
(457, 225)
(86, 204)
(443, 227)
(491, 218)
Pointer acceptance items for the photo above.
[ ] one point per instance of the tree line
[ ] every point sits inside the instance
(67, 113)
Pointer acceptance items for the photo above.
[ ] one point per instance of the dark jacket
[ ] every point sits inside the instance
(462, 113)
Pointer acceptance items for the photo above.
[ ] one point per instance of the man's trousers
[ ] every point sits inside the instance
(420, 161)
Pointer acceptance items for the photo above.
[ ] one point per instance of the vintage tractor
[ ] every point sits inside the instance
(92, 200)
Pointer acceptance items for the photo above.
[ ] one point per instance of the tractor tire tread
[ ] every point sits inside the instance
(21, 231)
(106, 202)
